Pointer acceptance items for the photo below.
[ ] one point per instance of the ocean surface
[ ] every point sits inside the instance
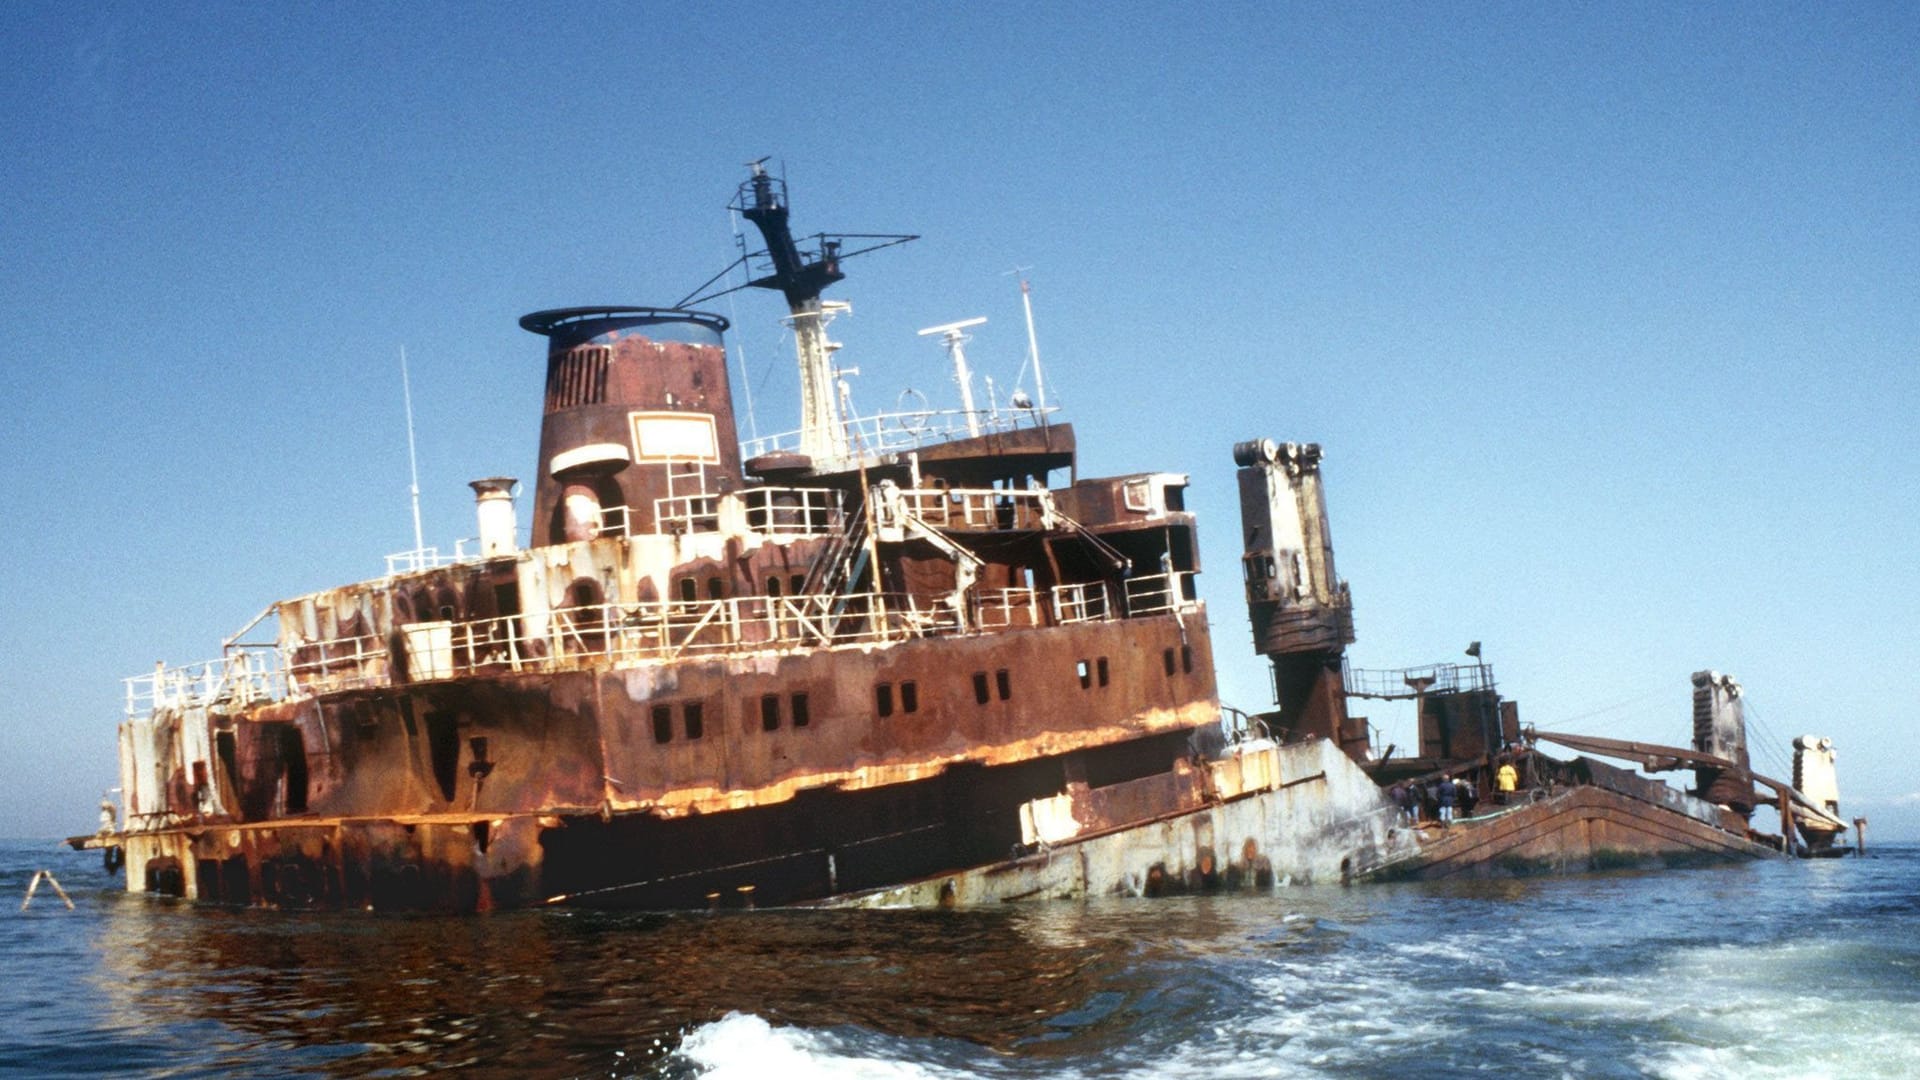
(1770, 969)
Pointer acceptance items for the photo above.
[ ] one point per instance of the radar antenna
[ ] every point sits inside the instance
(952, 336)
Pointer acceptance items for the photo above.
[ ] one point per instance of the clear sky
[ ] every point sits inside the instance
(1606, 315)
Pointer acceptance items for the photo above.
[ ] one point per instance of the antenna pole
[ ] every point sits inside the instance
(413, 463)
(1033, 350)
(953, 336)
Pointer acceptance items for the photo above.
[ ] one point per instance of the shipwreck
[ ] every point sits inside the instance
(906, 658)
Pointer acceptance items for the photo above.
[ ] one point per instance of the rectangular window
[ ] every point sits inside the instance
(770, 712)
(679, 437)
(883, 698)
(1005, 683)
(800, 715)
(1085, 671)
(1186, 659)
(689, 590)
(693, 716)
(662, 723)
(1166, 657)
(980, 687)
(909, 697)
(1102, 666)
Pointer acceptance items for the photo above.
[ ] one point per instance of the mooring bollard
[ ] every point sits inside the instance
(35, 884)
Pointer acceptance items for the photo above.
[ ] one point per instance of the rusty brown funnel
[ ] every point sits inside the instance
(637, 410)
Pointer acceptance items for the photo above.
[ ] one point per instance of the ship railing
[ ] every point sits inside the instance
(1157, 594)
(430, 558)
(1413, 682)
(908, 429)
(998, 609)
(242, 677)
(686, 514)
(615, 521)
(785, 511)
(1081, 602)
(662, 630)
(978, 508)
(337, 663)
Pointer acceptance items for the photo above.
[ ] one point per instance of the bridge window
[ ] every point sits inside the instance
(716, 588)
(800, 715)
(662, 723)
(1101, 665)
(1085, 671)
(693, 717)
(1004, 683)
(770, 712)
(883, 699)
(1186, 659)
(1166, 658)
(980, 687)
(909, 697)
(689, 590)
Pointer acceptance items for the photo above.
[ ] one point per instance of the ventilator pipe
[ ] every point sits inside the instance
(493, 505)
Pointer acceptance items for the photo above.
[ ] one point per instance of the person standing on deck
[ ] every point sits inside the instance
(1505, 782)
(1444, 794)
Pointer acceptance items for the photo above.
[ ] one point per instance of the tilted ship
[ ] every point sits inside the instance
(905, 659)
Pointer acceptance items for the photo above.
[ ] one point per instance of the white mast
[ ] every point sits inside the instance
(413, 464)
(951, 335)
(823, 433)
(1033, 350)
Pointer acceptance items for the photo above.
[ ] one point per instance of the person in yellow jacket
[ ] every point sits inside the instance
(1505, 781)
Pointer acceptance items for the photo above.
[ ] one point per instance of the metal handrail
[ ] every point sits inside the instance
(891, 432)
(1409, 683)
(1080, 602)
(625, 633)
(1156, 594)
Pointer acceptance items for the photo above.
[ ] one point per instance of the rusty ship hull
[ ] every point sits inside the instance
(907, 660)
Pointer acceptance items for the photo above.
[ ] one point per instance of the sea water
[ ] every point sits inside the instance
(1753, 969)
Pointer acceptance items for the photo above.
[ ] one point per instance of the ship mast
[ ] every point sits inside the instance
(800, 276)
(763, 201)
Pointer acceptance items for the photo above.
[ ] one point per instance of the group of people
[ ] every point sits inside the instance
(1441, 800)
(1448, 797)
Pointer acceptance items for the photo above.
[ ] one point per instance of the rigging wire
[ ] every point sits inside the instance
(733, 317)
(1641, 699)
(1769, 747)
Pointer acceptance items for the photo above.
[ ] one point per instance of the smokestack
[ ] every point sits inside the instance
(493, 505)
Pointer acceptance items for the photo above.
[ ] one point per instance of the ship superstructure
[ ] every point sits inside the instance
(834, 667)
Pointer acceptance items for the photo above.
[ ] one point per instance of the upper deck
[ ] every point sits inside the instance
(766, 570)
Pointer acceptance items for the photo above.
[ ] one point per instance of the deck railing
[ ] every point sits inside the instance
(1085, 602)
(977, 508)
(630, 633)
(243, 676)
(1160, 593)
(907, 429)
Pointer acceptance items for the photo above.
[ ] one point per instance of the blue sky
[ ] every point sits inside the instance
(1605, 314)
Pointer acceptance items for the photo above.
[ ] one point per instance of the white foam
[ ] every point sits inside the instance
(745, 1046)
